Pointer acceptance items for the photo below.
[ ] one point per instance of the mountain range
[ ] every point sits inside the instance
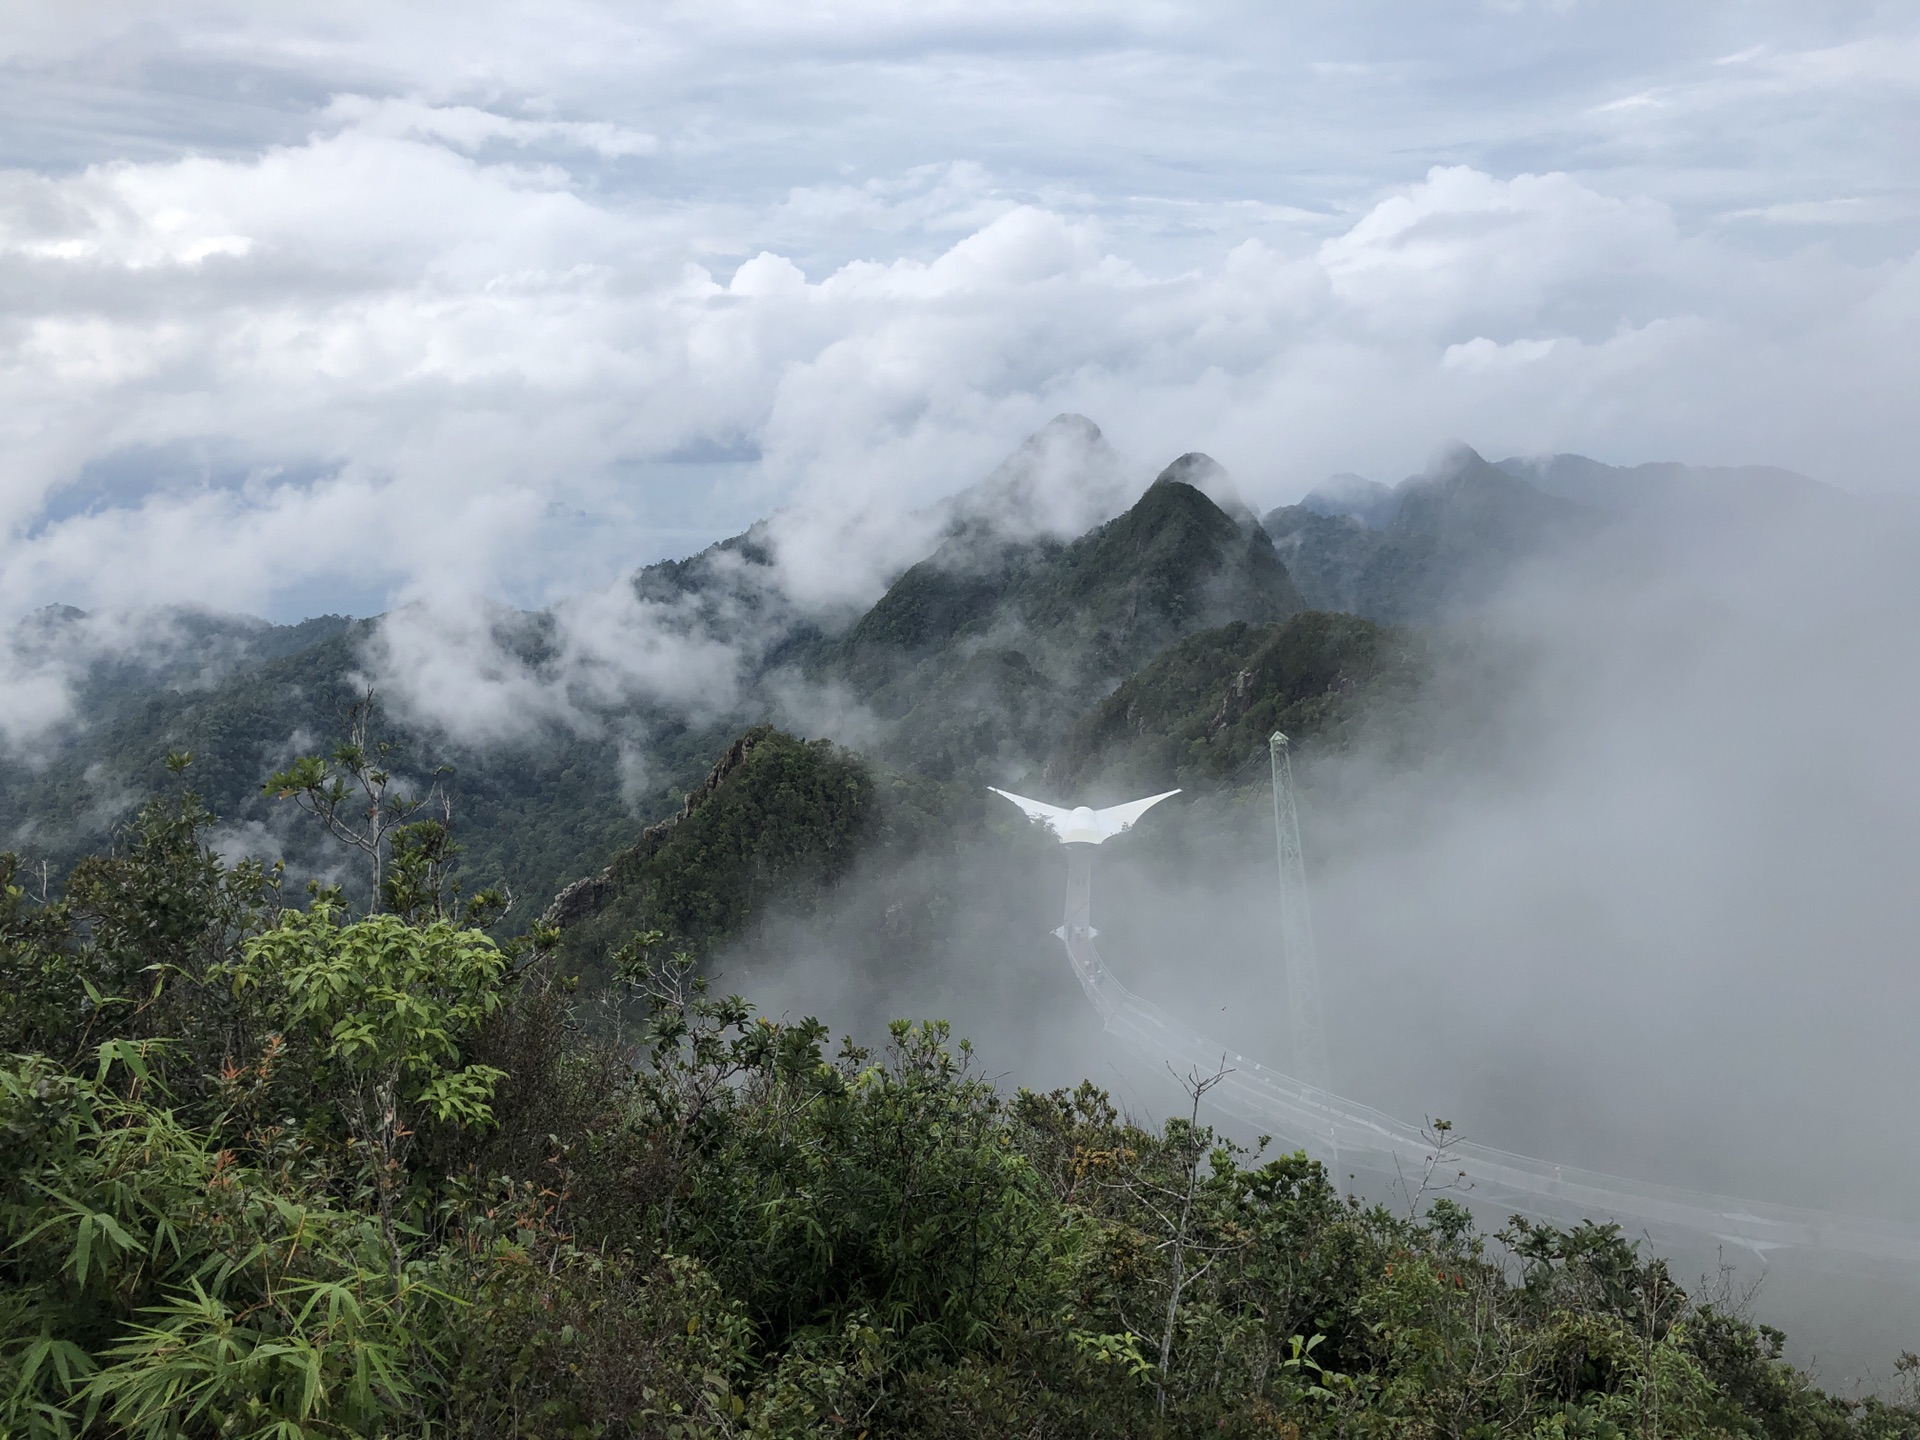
(1059, 633)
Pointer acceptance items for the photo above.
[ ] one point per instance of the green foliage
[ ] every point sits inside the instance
(1200, 712)
(385, 1004)
(159, 1285)
(123, 948)
(823, 1192)
(271, 1172)
(379, 1010)
(785, 822)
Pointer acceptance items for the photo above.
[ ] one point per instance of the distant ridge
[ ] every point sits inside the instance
(1051, 585)
(1438, 541)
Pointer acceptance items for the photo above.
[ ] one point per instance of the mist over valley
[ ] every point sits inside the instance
(1602, 800)
(767, 722)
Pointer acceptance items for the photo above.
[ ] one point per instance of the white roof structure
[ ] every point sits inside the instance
(1083, 825)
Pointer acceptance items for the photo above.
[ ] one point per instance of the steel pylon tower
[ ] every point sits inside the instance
(1296, 928)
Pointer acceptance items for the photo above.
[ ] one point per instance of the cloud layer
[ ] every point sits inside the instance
(393, 309)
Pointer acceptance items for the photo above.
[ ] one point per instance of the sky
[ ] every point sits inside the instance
(309, 309)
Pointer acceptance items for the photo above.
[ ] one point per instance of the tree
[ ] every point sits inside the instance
(384, 1008)
(123, 951)
(410, 852)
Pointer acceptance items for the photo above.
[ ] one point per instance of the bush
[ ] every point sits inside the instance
(270, 1172)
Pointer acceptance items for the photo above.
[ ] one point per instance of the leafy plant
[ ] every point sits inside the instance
(383, 1008)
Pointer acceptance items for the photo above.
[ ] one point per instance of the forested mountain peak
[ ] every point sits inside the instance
(1078, 616)
(1211, 479)
(1176, 557)
(973, 664)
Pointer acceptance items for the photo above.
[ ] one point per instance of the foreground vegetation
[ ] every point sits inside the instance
(274, 1169)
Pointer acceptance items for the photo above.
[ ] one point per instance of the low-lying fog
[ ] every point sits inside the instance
(1643, 901)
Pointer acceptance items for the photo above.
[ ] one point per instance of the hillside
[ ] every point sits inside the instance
(1199, 714)
(118, 656)
(535, 812)
(1450, 539)
(301, 1174)
(775, 818)
(974, 662)
(982, 653)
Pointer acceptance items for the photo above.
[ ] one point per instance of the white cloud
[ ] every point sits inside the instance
(1480, 353)
(1841, 210)
(446, 350)
(1465, 242)
(505, 309)
(467, 127)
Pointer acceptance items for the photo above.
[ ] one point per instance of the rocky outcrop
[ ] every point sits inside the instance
(588, 895)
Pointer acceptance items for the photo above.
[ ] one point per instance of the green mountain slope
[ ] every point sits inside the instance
(1175, 563)
(991, 714)
(1200, 713)
(982, 654)
(776, 817)
(959, 594)
(535, 812)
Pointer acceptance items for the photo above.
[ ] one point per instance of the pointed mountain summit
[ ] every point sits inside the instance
(987, 645)
(1173, 562)
(1211, 479)
(1177, 561)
